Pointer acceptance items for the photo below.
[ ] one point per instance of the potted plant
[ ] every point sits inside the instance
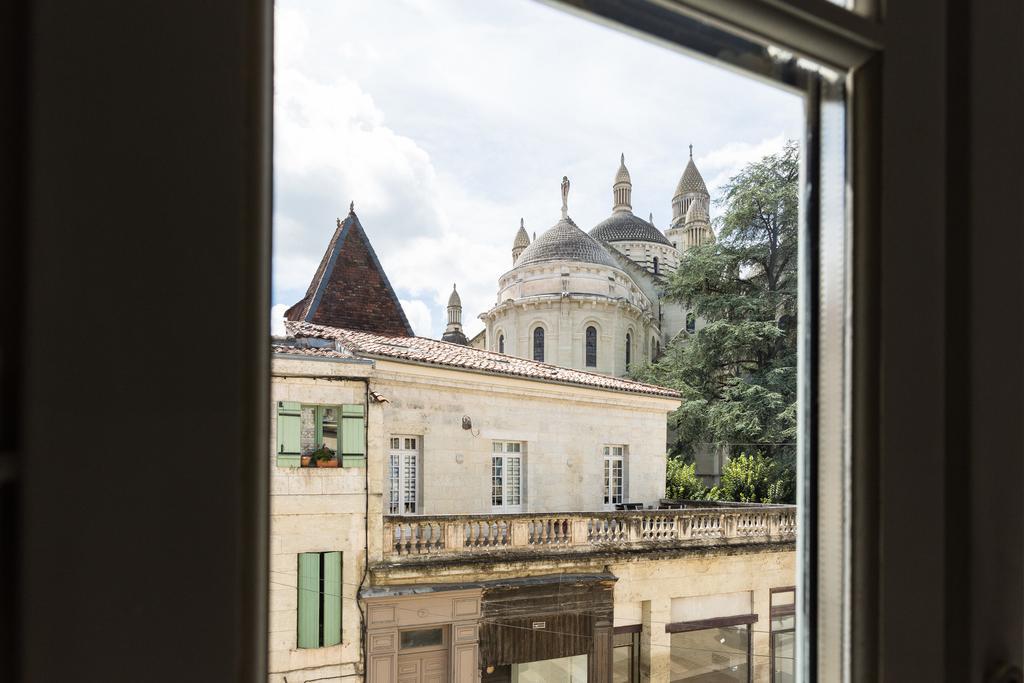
(307, 459)
(325, 457)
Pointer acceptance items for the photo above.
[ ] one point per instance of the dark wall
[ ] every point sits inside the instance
(143, 226)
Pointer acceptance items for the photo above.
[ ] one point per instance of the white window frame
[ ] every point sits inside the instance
(507, 483)
(614, 454)
(405, 461)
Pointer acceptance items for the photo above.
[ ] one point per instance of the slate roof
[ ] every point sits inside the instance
(565, 242)
(691, 180)
(624, 226)
(350, 288)
(433, 352)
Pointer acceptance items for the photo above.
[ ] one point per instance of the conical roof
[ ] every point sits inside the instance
(454, 299)
(622, 175)
(698, 211)
(522, 239)
(565, 242)
(691, 181)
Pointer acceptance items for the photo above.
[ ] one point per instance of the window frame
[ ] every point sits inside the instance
(590, 346)
(609, 456)
(780, 611)
(396, 502)
(504, 455)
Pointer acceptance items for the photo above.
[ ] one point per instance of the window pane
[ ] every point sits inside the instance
(409, 482)
(329, 427)
(784, 657)
(717, 655)
(394, 489)
(622, 659)
(512, 486)
(496, 481)
(424, 637)
(784, 623)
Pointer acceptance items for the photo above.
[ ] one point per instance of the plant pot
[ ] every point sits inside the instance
(306, 460)
(327, 463)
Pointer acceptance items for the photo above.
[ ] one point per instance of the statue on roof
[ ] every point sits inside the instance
(565, 196)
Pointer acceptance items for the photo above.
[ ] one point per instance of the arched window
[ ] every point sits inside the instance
(591, 347)
(691, 323)
(629, 348)
(655, 265)
(501, 344)
(538, 344)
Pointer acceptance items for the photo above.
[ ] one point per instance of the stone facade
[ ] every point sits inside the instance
(654, 560)
(611, 279)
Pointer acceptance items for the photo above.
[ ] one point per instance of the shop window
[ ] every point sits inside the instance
(720, 654)
(783, 635)
(561, 670)
(626, 655)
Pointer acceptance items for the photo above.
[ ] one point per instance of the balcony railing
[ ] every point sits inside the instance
(411, 537)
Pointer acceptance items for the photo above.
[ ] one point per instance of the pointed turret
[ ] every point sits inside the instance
(690, 187)
(691, 221)
(522, 241)
(622, 189)
(453, 332)
(350, 289)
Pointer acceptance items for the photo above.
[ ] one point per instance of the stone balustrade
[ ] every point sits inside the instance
(413, 537)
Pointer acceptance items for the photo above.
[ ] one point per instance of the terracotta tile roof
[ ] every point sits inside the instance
(434, 352)
(350, 288)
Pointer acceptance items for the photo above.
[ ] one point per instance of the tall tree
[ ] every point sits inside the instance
(737, 373)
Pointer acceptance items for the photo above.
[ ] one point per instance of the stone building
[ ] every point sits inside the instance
(594, 300)
(447, 513)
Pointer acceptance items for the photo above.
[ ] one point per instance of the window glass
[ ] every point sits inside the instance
(538, 344)
(591, 351)
(614, 475)
(403, 476)
(561, 670)
(626, 658)
(422, 637)
(507, 475)
(629, 349)
(329, 427)
(714, 655)
(501, 344)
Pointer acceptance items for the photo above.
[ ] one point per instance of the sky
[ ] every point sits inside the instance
(446, 121)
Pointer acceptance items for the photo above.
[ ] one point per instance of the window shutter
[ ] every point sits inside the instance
(353, 435)
(289, 430)
(309, 600)
(332, 598)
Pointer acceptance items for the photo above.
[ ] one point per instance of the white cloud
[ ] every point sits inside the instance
(419, 316)
(277, 320)
(447, 121)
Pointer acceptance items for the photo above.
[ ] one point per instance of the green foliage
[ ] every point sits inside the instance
(737, 373)
(756, 479)
(682, 483)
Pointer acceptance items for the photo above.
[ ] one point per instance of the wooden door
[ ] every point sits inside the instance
(423, 667)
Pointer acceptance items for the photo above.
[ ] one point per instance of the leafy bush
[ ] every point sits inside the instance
(681, 482)
(756, 479)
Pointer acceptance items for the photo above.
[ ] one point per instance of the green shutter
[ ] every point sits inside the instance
(309, 600)
(332, 598)
(353, 435)
(289, 430)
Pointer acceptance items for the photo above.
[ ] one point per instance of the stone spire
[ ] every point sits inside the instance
(691, 187)
(522, 241)
(453, 332)
(622, 189)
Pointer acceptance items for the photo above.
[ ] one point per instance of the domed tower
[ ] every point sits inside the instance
(521, 242)
(690, 189)
(569, 301)
(631, 235)
(453, 332)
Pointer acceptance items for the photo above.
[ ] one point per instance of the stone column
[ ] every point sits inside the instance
(654, 641)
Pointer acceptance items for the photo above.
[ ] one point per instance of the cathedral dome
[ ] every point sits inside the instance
(623, 226)
(566, 242)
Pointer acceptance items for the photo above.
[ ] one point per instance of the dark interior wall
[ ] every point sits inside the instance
(144, 348)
